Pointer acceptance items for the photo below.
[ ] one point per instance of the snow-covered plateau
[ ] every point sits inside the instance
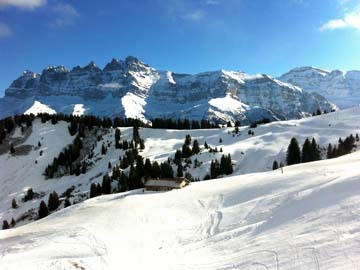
(131, 88)
(307, 217)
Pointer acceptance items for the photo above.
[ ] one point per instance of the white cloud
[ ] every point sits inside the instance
(5, 30)
(66, 15)
(350, 20)
(194, 15)
(185, 10)
(24, 4)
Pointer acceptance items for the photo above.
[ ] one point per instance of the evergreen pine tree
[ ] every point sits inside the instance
(329, 153)
(214, 169)
(307, 151)
(117, 138)
(43, 210)
(315, 150)
(166, 170)
(103, 149)
(53, 202)
(106, 185)
(275, 165)
(5, 225)
(93, 190)
(147, 168)
(12, 223)
(187, 140)
(293, 152)
(156, 170)
(195, 148)
(180, 171)
(67, 203)
(12, 149)
(98, 190)
(14, 204)
(186, 151)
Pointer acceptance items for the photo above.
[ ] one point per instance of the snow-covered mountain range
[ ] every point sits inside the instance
(132, 88)
(340, 87)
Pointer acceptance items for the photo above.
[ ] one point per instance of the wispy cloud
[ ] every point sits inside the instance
(5, 31)
(186, 10)
(350, 20)
(194, 15)
(66, 15)
(23, 4)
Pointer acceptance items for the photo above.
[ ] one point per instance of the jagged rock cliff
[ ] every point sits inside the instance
(132, 88)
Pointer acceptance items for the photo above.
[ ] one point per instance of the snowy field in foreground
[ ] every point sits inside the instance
(306, 218)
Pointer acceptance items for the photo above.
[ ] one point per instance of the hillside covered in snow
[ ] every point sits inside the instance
(255, 218)
(131, 88)
(303, 218)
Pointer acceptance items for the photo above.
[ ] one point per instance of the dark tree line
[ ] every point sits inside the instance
(343, 147)
(222, 167)
(182, 124)
(310, 152)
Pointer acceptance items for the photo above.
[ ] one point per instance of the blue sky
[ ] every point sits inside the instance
(188, 36)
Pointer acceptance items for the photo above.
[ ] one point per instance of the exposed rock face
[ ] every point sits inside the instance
(132, 88)
(342, 88)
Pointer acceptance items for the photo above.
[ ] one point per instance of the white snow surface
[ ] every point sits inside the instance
(38, 107)
(305, 218)
(133, 106)
(229, 103)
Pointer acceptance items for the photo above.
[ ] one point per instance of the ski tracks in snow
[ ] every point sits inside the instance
(211, 222)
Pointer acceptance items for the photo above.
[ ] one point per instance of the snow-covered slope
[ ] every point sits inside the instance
(132, 88)
(250, 153)
(342, 88)
(306, 218)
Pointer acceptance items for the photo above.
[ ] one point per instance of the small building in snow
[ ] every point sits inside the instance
(166, 184)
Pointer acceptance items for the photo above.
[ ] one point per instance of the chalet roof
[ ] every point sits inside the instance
(168, 182)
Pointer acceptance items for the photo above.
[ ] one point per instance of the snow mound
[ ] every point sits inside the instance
(38, 107)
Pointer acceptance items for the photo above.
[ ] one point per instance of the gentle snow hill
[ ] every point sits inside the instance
(250, 154)
(306, 218)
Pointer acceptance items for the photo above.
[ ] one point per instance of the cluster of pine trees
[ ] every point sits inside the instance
(66, 160)
(6, 224)
(133, 178)
(52, 205)
(224, 167)
(344, 147)
(8, 124)
(168, 123)
(187, 151)
(310, 152)
(91, 121)
(260, 122)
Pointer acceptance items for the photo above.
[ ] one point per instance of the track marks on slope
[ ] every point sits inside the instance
(211, 221)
